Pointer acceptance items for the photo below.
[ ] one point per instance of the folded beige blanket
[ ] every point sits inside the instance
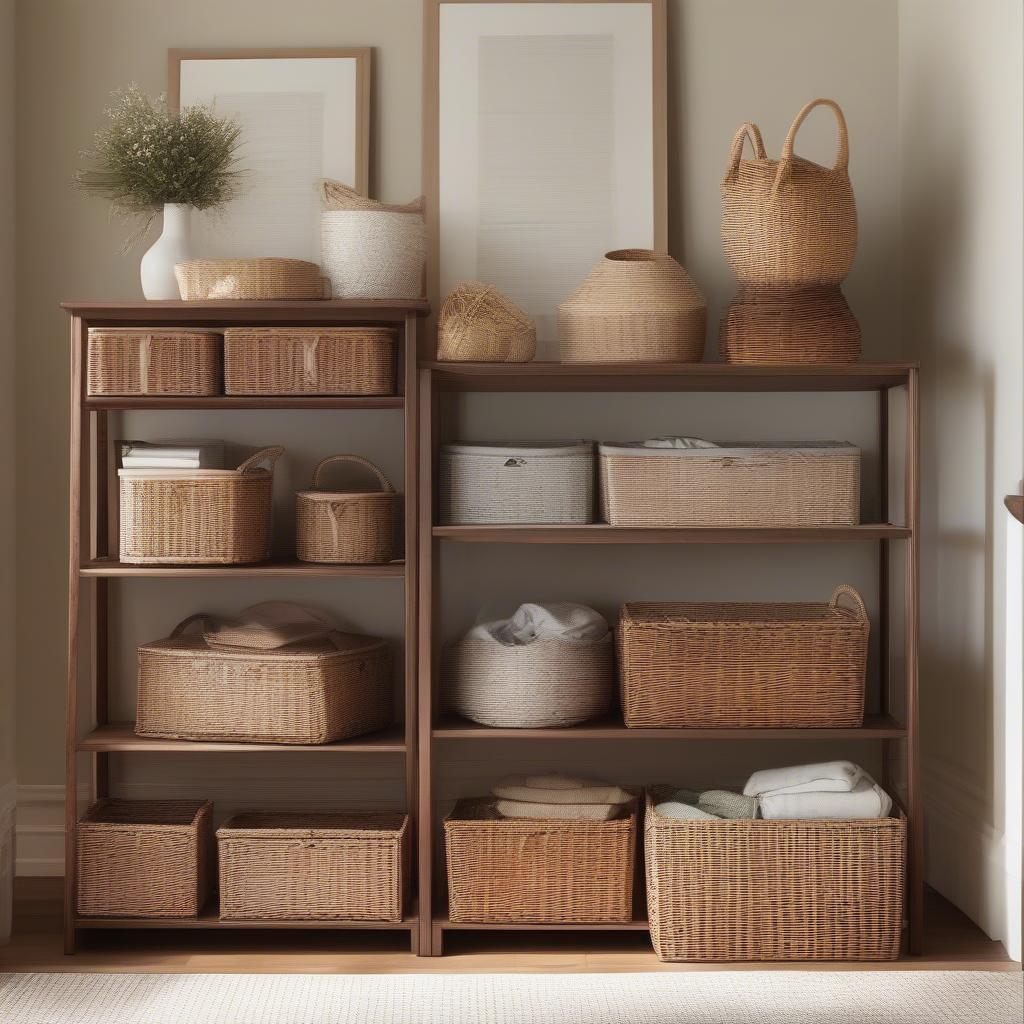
(572, 812)
(559, 789)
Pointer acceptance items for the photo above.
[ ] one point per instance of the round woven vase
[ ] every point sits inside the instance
(635, 306)
(479, 324)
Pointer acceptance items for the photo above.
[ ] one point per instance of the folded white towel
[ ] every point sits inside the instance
(677, 809)
(865, 800)
(569, 812)
(829, 777)
(678, 442)
(559, 790)
(571, 623)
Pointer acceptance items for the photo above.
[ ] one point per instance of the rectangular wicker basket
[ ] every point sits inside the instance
(310, 360)
(538, 871)
(346, 866)
(744, 665)
(314, 692)
(774, 890)
(144, 858)
(735, 484)
(140, 361)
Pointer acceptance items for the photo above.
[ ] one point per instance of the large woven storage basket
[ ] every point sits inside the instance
(142, 361)
(311, 692)
(738, 483)
(774, 890)
(257, 279)
(345, 866)
(538, 871)
(348, 527)
(546, 684)
(144, 858)
(533, 482)
(744, 665)
(198, 516)
(309, 360)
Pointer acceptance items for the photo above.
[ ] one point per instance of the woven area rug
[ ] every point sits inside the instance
(726, 997)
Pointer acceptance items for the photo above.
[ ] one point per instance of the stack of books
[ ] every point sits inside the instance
(172, 454)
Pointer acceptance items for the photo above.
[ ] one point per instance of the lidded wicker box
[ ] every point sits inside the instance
(310, 360)
(505, 482)
(536, 870)
(744, 665)
(144, 858)
(732, 484)
(732, 890)
(144, 361)
(344, 866)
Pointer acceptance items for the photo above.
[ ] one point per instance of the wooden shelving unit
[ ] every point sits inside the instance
(94, 567)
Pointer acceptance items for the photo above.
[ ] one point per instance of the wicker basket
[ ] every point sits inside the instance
(346, 866)
(789, 223)
(263, 279)
(309, 360)
(144, 858)
(479, 324)
(744, 666)
(743, 484)
(538, 871)
(139, 361)
(348, 527)
(197, 516)
(311, 692)
(533, 482)
(636, 305)
(543, 685)
(774, 890)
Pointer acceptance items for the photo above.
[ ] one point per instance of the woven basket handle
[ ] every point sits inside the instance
(385, 483)
(204, 617)
(851, 593)
(746, 131)
(270, 455)
(842, 162)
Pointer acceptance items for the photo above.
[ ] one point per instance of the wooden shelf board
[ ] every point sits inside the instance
(875, 727)
(245, 402)
(120, 737)
(638, 924)
(210, 919)
(602, 533)
(112, 567)
(552, 376)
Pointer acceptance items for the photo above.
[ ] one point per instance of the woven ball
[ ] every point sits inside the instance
(478, 324)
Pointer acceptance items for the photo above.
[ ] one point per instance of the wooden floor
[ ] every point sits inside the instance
(952, 943)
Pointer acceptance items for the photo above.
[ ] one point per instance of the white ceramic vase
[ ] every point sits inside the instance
(173, 246)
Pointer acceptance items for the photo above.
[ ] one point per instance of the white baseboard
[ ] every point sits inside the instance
(40, 831)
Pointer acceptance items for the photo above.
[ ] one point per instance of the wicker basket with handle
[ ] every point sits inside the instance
(348, 527)
(144, 858)
(265, 279)
(142, 361)
(342, 866)
(744, 665)
(774, 890)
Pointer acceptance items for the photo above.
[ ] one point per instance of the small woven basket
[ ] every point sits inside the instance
(348, 527)
(268, 278)
(479, 324)
(197, 516)
(144, 858)
(538, 871)
(346, 866)
(774, 890)
(744, 665)
(136, 361)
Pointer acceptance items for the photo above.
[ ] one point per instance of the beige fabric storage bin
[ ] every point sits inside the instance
(734, 484)
(143, 361)
(531, 482)
(144, 858)
(344, 866)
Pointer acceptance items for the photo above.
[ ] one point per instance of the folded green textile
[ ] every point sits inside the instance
(679, 809)
(724, 804)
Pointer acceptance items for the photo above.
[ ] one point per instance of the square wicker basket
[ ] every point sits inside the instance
(137, 361)
(538, 871)
(345, 866)
(774, 890)
(144, 858)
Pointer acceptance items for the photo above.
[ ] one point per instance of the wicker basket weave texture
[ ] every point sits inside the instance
(315, 692)
(137, 361)
(544, 685)
(774, 890)
(197, 517)
(348, 527)
(744, 665)
(345, 866)
(309, 360)
(479, 324)
(789, 223)
(144, 858)
(536, 871)
(738, 485)
(265, 279)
